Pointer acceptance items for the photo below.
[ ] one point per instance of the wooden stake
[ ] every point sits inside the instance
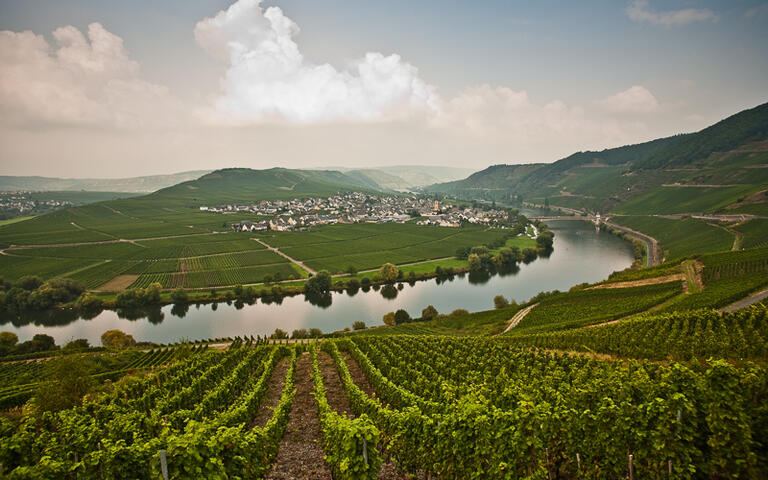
(631, 467)
(365, 451)
(163, 464)
(578, 462)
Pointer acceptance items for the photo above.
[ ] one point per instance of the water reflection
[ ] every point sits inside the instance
(580, 254)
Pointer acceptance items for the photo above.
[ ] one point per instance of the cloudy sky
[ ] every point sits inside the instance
(120, 88)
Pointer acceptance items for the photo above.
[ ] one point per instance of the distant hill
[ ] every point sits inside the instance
(405, 177)
(718, 168)
(242, 185)
(134, 184)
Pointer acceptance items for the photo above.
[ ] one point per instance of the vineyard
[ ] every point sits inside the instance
(587, 307)
(680, 336)
(19, 380)
(455, 407)
(204, 259)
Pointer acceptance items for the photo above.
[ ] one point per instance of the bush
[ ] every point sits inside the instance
(78, 344)
(389, 272)
(300, 333)
(279, 334)
(499, 301)
(315, 333)
(366, 282)
(318, 284)
(180, 296)
(459, 312)
(71, 380)
(358, 325)
(401, 316)
(429, 313)
(117, 339)
(389, 319)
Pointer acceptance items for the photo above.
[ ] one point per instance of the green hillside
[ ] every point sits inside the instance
(722, 168)
(233, 185)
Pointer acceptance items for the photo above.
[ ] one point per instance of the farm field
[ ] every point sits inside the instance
(588, 307)
(680, 238)
(368, 246)
(226, 259)
(755, 233)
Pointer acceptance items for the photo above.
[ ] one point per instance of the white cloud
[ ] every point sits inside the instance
(268, 78)
(528, 131)
(639, 11)
(78, 80)
(636, 99)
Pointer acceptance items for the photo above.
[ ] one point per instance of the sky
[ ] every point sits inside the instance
(94, 88)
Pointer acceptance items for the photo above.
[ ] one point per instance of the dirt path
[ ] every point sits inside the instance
(301, 455)
(105, 242)
(519, 316)
(745, 302)
(641, 283)
(273, 393)
(331, 380)
(334, 391)
(291, 259)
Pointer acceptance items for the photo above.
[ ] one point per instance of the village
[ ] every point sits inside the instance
(21, 203)
(356, 207)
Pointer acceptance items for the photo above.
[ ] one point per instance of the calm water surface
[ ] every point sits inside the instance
(581, 254)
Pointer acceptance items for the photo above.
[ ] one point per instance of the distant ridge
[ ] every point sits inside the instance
(242, 185)
(724, 155)
(145, 184)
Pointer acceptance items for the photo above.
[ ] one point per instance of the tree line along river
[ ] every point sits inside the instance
(581, 254)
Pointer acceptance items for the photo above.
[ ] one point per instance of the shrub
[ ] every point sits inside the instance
(401, 316)
(429, 313)
(499, 301)
(117, 339)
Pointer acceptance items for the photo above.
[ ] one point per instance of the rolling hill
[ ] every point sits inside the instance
(720, 168)
(144, 184)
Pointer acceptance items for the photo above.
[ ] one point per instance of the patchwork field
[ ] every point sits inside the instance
(207, 259)
(367, 246)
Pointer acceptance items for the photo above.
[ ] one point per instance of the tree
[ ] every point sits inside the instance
(352, 270)
(315, 333)
(389, 272)
(358, 325)
(238, 290)
(366, 282)
(70, 380)
(30, 282)
(318, 284)
(529, 255)
(45, 342)
(279, 334)
(78, 344)
(401, 316)
(8, 339)
(475, 263)
(545, 239)
(499, 301)
(179, 296)
(389, 319)
(429, 313)
(117, 339)
(300, 333)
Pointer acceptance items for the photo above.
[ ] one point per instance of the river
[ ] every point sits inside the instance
(581, 254)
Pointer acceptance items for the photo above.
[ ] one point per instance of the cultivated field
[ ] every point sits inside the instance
(210, 259)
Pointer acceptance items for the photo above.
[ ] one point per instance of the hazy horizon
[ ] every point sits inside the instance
(90, 89)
